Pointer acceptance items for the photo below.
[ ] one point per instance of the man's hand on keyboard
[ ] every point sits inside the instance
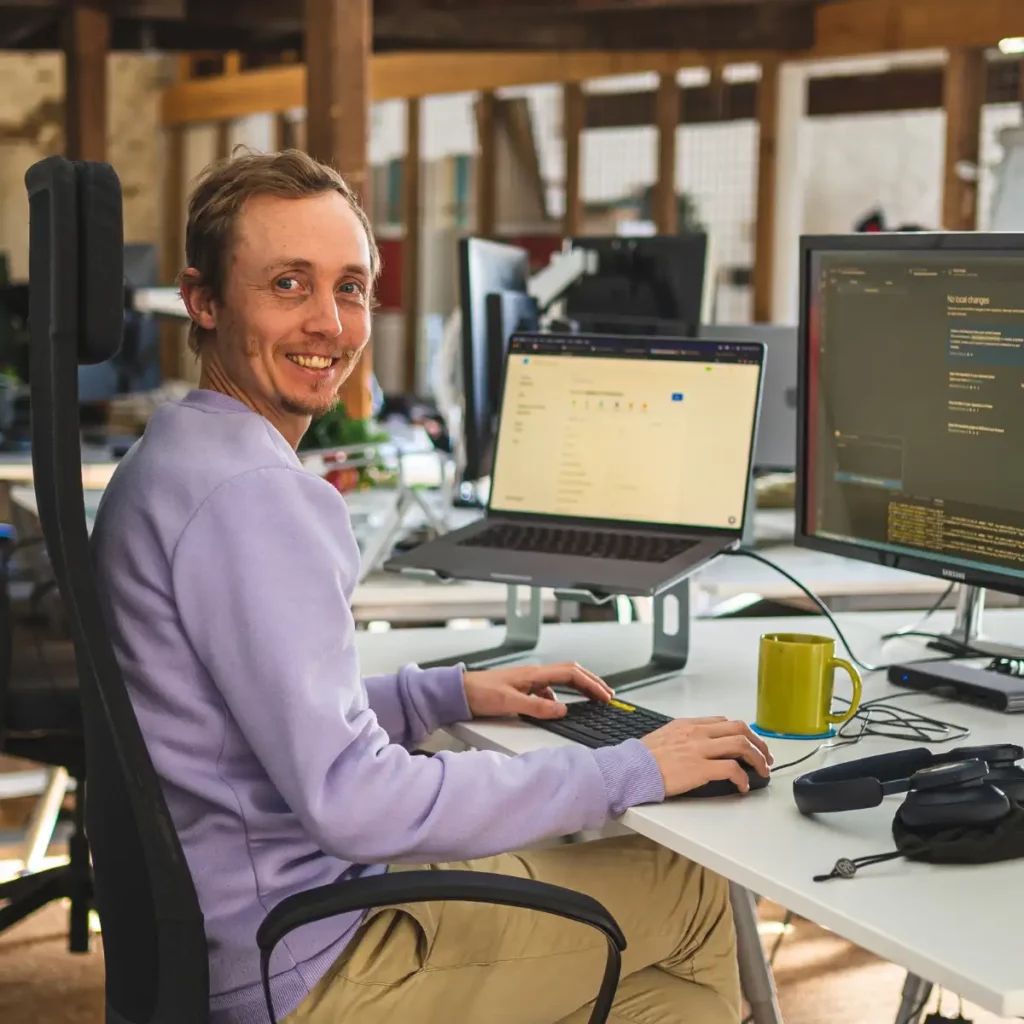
(693, 751)
(527, 689)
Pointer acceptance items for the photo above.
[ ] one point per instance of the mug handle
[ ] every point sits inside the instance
(854, 675)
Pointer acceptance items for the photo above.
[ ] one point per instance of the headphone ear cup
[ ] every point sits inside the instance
(949, 808)
(1010, 780)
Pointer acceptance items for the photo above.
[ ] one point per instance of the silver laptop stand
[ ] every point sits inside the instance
(522, 633)
(670, 646)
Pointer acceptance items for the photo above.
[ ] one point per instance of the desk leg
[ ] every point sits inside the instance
(755, 971)
(916, 992)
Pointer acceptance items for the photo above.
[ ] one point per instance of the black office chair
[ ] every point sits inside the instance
(41, 721)
(153, 934)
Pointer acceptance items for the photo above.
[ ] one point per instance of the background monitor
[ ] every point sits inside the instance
(136, 366)
(775, 451)
(911, 418)
(650, 285)
(486, 269)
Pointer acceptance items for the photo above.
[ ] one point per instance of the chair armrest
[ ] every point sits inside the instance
(426, 886)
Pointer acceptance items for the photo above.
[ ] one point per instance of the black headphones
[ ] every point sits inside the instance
(966, 787)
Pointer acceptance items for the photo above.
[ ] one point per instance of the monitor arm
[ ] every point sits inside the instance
(165, 301)
(564, 269)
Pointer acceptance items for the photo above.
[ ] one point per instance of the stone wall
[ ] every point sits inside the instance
(32, 127)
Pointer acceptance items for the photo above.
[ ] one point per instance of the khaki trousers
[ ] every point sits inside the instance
(473, 963)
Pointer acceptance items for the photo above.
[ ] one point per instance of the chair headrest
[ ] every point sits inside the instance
(88, 194)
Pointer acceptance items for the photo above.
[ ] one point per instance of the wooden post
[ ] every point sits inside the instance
(964, 86)
(764, 241)
(486, 165)
(411, 249)
(573, 116)
(284, 132)
(666, 205)
(173, 255)
(339, 40)
(172, 258)
(86, 32)
(223, 145)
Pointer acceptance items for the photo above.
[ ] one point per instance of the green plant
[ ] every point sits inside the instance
(335, 429)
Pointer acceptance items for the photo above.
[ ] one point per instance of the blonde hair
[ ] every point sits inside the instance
(221, 191)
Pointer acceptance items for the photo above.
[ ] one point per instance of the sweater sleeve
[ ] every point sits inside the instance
(414, 702)
(262, 576)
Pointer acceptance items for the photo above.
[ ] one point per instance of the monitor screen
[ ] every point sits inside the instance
(775, 451)
(914, 407)
(642, 286)
(630, 430)
(486, 268)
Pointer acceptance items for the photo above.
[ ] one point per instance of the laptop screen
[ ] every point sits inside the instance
(632, 430)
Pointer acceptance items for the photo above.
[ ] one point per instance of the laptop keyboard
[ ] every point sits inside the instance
(553, 540)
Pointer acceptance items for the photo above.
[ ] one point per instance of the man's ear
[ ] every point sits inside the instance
(198, 300)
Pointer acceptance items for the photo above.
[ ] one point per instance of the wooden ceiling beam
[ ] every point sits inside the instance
(843, 28)
(853, 27)
(274, 89)
(547, 6)
(840, 28)
(827, 96)
(405, 75)
(743, 25)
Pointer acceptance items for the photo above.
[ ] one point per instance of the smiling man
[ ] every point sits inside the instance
(227, 571)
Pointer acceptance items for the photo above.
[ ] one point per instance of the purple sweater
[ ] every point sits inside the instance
(227, 573)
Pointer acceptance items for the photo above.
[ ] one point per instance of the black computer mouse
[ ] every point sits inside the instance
(726, 787)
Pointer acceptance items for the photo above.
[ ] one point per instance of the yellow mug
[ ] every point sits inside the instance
(794, 686)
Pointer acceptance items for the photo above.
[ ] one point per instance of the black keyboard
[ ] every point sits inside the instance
(595, 724)
(555, 540)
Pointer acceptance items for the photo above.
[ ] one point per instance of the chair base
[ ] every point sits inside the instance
(73, 881)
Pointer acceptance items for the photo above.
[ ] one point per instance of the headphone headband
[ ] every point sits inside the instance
(864, 782)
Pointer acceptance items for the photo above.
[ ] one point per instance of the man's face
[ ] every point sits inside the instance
(295, 313)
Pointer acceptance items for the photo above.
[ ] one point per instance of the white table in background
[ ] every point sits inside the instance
(956, 926)
(721, 586)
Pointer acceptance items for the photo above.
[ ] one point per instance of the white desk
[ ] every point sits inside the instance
(958, 927)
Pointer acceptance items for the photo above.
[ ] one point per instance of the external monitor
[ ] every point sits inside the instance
(648, 285)
(911, 405)
(486, 269)
(136, 365)
(507, 313)
(776, 433)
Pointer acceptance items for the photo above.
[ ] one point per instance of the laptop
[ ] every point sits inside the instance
(775, 450)
(621, 465)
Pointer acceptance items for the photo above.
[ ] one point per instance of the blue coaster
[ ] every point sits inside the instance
(790, 735)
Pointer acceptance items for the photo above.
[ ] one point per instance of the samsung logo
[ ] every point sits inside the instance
(952, 574)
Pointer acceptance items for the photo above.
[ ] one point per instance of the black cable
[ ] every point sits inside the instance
(913, 630)
(964, 650)
(881, 717)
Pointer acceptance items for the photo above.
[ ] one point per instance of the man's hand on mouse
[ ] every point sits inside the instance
(527, 689)
(693, 751)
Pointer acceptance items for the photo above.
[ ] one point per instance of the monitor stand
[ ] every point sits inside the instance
(966, 630)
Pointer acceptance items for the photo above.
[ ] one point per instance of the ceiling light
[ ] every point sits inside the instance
(1012, 44)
